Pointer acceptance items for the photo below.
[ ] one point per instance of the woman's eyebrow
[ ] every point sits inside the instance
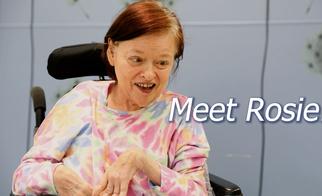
(165, 55)
(136, 51)
(141, 52)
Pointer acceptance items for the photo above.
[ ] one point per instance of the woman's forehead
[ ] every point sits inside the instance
(164, 43)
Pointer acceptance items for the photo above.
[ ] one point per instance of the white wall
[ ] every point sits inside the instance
(223, 58)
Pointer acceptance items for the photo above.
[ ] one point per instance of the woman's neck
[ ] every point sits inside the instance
(116, 99)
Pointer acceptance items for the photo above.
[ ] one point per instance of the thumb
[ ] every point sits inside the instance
(101, 185)
(98, 189)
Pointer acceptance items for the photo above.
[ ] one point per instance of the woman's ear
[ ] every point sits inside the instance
(111, 52)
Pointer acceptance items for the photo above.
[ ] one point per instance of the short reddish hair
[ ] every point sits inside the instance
(142, 18)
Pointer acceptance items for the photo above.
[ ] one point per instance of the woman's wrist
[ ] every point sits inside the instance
(148, 166)
(140, 159)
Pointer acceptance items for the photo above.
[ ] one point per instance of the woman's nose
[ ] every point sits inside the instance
(148, 73)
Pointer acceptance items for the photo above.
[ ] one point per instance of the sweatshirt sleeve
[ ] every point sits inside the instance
(64, 122)
(188, 154)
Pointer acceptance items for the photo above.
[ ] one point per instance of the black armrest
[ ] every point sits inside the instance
(223, 187)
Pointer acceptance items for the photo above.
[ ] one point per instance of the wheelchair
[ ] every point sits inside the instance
(86, 60)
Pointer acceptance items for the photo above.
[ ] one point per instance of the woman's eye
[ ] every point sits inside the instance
(163, 63)
(135, 59)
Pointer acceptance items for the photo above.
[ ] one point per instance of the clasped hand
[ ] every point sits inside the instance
(114, 182)
(117, 176)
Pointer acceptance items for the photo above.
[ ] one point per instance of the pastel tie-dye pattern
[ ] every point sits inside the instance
(82, 133)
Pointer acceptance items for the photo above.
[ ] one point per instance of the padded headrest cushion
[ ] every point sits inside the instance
(77, 61)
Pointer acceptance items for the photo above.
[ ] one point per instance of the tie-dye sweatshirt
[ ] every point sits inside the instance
(84, 134)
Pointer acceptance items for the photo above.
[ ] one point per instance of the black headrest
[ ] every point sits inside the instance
(77, 61)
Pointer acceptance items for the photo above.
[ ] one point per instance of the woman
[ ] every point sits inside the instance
(114, 137)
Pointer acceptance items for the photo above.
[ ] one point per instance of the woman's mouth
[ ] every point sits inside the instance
(145, 87)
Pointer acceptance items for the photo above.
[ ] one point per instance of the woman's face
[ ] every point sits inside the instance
(143, 66)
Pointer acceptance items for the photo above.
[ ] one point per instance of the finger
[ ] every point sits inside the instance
(122, 194)
(102, 185)
(116, 188)
(124, 187)
(109, 189)
(87, 190)
(100, 188)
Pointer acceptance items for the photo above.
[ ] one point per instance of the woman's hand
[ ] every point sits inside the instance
(118, 175)
(67, 183)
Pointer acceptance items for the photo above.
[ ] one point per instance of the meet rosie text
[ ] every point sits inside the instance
(257, 109)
